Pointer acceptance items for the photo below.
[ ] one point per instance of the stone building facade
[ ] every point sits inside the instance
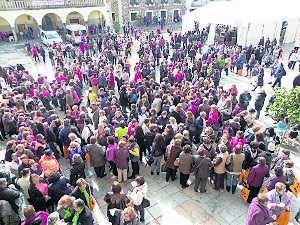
(147, 12)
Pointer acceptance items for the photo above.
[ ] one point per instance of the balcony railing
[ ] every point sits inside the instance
(40, 4)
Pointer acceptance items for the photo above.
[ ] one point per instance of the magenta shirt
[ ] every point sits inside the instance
(111, 152)
(43, 188)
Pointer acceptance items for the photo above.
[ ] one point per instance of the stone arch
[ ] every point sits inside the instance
(96, 17)
(51, 21)
(4, 25)
(27, 26)
(75, 17)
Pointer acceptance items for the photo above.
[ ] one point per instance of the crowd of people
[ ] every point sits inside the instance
(116, 118)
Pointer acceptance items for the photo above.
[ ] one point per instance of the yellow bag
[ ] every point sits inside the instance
(295, 188)
(244, 175)
(283, 218)
(92, 202)
(245, 193)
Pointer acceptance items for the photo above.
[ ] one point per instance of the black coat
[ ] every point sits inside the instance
(50, 135)
(58, 188)
(10, 195)
(78, 194)
(260, 100)
(85, 217)
(76, 172)
(36, 198)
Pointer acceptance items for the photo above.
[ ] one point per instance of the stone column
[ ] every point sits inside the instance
(13, 30)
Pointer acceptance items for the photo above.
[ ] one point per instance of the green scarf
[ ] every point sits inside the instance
(67, 213)
(76, 217)
(87, 197)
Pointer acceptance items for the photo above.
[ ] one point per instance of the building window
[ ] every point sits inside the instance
(113, 16)
(134, 2)
(133, 16)
(163, 15)
(177, 1)
(149, 2)
(176, 17)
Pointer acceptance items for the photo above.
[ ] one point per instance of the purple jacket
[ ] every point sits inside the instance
(111, 152)
(274, 180)
(41, 214)
(122, 156)
(257, 174)
(258, 214)
(274, 199)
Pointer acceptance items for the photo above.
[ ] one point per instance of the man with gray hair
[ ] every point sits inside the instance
(83, 215)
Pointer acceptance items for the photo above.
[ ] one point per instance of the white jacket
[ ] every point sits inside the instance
(138, 193)
(87, 131)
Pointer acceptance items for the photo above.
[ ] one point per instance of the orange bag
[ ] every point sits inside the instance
(88, 158)
(283, 218)
(244, 175)
(66, 152)
(245, 193)
(295, 188)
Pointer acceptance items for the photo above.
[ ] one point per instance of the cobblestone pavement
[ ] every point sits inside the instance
(169, 203)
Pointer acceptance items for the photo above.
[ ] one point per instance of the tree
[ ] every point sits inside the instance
(286, 103)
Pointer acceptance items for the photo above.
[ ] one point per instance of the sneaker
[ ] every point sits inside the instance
(166, 182)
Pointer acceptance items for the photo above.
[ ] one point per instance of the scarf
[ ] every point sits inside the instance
(76, 217)
(87, 197)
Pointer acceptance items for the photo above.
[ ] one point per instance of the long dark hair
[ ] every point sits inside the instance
(139, 133)
(159, 141)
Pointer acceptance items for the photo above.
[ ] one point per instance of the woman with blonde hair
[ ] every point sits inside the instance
(65, 208)
(174, 124)
(129, 215)
(84, 191)
(173, 151)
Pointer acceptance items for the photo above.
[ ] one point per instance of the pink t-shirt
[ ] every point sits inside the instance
(43, 188)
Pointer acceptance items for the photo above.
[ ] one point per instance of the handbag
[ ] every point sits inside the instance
(244, 176)
(245, 193)
(149, 160)
(295, 188)
(176, 162)
(92, 200)
(229, 167)
(283, 218)
(145, 203)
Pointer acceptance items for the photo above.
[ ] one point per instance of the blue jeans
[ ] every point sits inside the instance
(232, 179)
(155, 166)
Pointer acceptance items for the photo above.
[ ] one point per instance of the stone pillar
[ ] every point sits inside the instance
(13, 30)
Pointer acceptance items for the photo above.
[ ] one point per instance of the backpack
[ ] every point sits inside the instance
(133, 98)
(249, 137)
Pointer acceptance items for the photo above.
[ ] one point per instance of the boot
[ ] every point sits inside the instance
(233, 189)
(228, 188)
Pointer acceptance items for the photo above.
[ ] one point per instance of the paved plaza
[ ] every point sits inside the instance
(170, 204)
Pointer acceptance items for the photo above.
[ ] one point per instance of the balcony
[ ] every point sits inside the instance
(42, 4)
(149, 2)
